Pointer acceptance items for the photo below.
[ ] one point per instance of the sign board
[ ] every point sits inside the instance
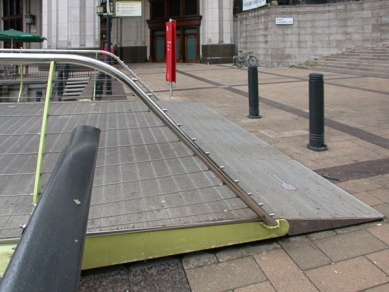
(127, 8)
(284, 21)
(171, 51)
(252, 4)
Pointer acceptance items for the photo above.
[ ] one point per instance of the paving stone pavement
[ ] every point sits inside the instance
(357, 134)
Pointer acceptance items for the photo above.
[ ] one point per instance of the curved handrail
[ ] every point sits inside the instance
(51, 51)
(53, 240)
(174, 127)
(79, 52)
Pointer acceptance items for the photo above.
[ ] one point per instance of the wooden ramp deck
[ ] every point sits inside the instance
(288, 189)
(152, 197)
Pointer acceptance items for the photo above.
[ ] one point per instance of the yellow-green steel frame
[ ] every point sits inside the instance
(108, 250)
(42, 142)
(113, 249)
(6, 252)
(21, 83)
(95, 83)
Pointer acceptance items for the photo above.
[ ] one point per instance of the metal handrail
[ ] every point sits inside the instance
(78, 52)
(42, 139)
(82, 52)
(50, 252)
(174, 127)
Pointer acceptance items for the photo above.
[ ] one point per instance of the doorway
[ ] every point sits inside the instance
(187, 46)
(190, 49)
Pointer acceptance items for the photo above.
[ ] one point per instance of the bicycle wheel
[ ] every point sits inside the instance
(239, 61)
(252, 61)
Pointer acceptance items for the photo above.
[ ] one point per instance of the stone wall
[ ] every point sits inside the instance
(133, 54)
(217, 54)
(317, 30)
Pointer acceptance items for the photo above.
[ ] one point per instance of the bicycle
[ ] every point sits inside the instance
(245, 59)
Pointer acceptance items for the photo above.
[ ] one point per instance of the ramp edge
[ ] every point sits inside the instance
(106, 250)
(303, 226)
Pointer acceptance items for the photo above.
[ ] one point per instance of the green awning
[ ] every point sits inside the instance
(12, 35)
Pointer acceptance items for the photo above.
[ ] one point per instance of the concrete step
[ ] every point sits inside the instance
(79, 79)
(69, 98)
(362, 64)
(362, 61)
(71, 94)
(368, 51)
(355, 68)
(74, 87)
(352, 72)
(359, 56)
(374, 51)
(76, 83)
(67, 89)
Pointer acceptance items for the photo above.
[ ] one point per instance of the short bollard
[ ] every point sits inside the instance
(253, 93)
(316, 112)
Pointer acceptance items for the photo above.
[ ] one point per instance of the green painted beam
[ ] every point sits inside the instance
(6, 252)
(113, 249)
(42, 142)
(21, 82)
(101, 251)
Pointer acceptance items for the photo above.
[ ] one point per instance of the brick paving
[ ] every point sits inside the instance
(357, 134)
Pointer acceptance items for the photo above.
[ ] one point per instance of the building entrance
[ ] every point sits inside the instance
(187, 45)
(188, 20)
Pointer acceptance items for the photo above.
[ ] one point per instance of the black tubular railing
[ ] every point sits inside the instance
(49, 254)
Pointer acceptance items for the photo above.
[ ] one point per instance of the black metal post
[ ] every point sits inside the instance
(100, 85)
(253, 93)
(49, 254)
(38, 95)
(316, 112)
(108, 59)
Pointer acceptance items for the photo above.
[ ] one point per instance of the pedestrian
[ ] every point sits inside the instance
(115, 51)
(105, 78)
(108, 59)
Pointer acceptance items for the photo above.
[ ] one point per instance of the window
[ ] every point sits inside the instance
(13, 14)
(12, 7)
(158, 9)
(175, 8)
(191, 7)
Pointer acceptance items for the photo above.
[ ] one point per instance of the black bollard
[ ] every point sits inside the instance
(316, 112)
(100, 85)
(108, 85)
(108, 78)
(253, 93)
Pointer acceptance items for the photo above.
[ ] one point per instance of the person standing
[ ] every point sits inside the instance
(105, 78)
(115, 51)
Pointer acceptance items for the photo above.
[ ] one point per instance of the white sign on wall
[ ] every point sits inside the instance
(125, 8)
(252, 4)
(284, 21)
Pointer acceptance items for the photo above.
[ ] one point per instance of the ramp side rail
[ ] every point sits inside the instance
(153, 107)
(49, 254)
(97, 54)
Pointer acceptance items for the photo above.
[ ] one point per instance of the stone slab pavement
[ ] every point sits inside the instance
(357, 160)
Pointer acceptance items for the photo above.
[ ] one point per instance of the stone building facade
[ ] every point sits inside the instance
(204, 28)
(207, 31)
